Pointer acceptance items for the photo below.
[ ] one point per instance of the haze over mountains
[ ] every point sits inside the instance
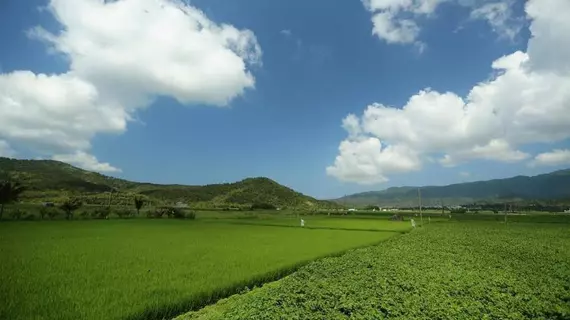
(550, 186)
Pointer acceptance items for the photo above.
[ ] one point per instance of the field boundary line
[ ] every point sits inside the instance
(312, 227)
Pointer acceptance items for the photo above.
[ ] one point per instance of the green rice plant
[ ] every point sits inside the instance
(148, 269)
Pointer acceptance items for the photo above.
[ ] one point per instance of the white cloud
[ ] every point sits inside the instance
(85, 161)
(550, 36)
(144, 49)
(554, 158)
(396, 21)
(286, 32)
(394, 30)
(496, 149)
(6, 150)
(352, 125)
(528, 101)
(365, 160)
(55, 112)
(393, 20)
(499, 15)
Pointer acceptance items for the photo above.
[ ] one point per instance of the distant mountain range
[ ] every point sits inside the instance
(48, 180)
(551, 186)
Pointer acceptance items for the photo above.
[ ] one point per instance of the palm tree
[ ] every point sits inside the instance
(139, 203)
(9, 192)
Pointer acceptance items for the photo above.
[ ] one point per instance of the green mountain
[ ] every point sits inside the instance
(48, 180)
(550, 186)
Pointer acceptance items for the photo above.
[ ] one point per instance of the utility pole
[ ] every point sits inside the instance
(420, 202)
(110, 196)
(109, 202)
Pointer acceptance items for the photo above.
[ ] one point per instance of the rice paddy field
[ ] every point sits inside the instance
(154, 269)
(266, 266)
(456, 270)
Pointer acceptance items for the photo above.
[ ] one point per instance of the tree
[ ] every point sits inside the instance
(139, 203)
(70, 205)
(9, 192)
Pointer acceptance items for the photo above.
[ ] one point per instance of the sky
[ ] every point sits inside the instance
(326, 99)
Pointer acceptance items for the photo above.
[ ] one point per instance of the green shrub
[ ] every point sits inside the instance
(16, 214)
(29, 217)
(51, 212)
(124, 213)
(69, 205)
(43, 212)
(263, 206)
(101, 213)
(157, 213)
(139, 202)
(85, 214)
(170, 212)
(176, 213)
(191, 215)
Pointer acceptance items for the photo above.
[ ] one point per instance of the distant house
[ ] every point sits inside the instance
(352, 209)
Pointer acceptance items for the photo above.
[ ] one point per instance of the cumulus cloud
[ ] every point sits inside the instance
(85, 161)
(528, 101)
(143, 50)
(554, 158)
(55, 112)
(366, 160)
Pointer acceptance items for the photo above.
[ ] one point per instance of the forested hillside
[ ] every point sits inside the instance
(544, 187)
(48, 180)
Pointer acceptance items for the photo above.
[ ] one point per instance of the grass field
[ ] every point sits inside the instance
(146, 269)
(455, 270)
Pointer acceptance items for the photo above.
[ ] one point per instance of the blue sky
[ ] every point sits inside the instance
(317, 64)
